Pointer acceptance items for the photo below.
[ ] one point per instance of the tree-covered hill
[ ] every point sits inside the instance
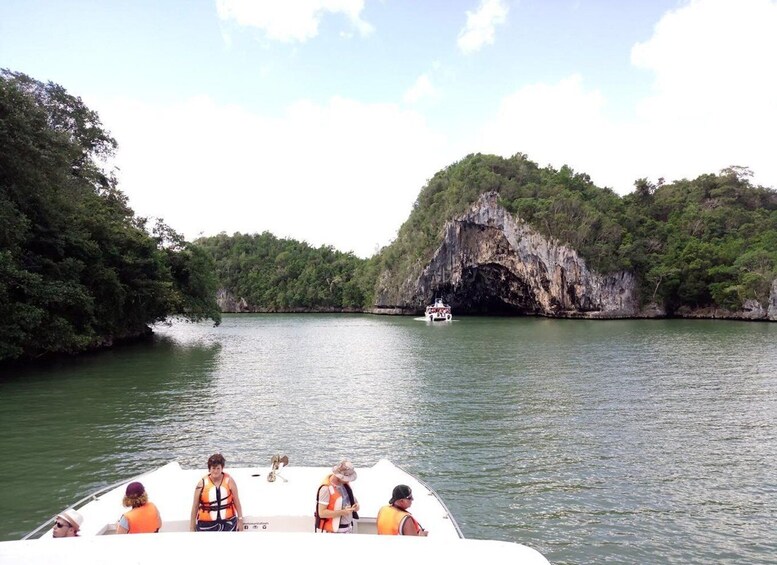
(711, 241)
(77, 267)
(281, 275)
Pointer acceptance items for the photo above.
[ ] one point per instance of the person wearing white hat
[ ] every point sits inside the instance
(67, 524)
(337, 507)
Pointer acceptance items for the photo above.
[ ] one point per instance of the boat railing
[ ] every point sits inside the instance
(440, 500)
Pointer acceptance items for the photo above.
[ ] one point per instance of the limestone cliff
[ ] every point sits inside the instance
(491, 262)
(772, 312)
(228, 303)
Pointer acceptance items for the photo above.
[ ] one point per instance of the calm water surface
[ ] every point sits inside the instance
(591, 441)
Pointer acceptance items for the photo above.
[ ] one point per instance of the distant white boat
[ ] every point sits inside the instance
(279, 514)
(438, 312)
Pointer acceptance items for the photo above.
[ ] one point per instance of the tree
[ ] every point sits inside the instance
(274, 274)
(77, 268)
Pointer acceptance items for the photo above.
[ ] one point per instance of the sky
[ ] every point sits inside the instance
(322, 120)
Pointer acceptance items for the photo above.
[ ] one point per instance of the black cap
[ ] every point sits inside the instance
(400, 492)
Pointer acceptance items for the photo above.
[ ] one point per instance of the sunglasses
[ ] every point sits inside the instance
(61, 525)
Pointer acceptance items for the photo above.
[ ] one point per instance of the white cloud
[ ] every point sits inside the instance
(422, 89)
(344, 174)
(480, 26)
(713, 104)
(714, 101)
(559, 124)
(294, 20)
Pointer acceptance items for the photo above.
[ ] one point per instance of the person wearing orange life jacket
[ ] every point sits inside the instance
(216, 506)
(395, 520)
(337, 507)
(144, 517)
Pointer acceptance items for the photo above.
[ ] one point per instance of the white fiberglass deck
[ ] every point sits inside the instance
(278, 518)
(284, 505)
(292, 548)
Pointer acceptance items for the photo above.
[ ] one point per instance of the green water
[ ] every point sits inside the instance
(591, 441)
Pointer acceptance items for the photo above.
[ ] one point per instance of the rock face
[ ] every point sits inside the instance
(228, 303)
(772, 312)
(492, 263)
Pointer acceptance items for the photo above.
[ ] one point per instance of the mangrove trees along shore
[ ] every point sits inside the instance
(77, 267)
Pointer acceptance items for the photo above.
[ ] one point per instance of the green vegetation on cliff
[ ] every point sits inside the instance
(77, 268)
(711, 241)
(706, 242)
(274, 274)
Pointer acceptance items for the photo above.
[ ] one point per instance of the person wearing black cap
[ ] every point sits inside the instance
(395, 520)
(144, 517)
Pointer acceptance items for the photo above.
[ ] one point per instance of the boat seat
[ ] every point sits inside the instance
(261, 524)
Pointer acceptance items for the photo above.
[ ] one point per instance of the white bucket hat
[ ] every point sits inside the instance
(72, 517)
(344, 471)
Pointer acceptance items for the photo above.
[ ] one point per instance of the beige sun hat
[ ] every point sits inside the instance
(344, 471)
(72, 517)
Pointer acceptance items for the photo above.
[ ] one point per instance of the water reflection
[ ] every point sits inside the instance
(73, 426)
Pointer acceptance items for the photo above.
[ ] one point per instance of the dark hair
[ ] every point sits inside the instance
(216, 459)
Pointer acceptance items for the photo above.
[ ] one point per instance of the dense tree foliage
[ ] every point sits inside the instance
(274, 274)
(77, 268)
(711, 241)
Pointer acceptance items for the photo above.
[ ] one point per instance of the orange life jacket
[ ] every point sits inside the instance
(216, 503)
(390, 520)
(335, 503)
(143, 519)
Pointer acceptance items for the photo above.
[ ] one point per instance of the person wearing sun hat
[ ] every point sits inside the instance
(394, 519)
(337, 507)
(67, 524)
(144, 517)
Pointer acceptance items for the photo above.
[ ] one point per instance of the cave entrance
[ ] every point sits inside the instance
(492, 290)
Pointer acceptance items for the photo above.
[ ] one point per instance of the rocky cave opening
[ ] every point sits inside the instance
(491, 290)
